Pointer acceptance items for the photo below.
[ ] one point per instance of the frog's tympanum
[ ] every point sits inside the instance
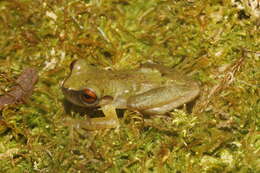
(151, 90)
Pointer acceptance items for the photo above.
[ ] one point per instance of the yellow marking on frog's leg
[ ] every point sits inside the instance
(109, 121)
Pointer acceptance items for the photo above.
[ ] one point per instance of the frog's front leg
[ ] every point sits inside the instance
(164, 99)
(109, 121)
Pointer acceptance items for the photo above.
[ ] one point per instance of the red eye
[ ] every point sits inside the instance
(89, 96)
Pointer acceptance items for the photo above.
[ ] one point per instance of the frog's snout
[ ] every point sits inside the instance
(71, 96)
(68, 95)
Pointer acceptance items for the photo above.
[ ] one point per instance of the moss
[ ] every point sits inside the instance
(204, 38)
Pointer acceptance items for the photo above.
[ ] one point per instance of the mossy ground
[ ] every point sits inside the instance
(218, 42)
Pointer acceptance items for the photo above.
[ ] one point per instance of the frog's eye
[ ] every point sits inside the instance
(88, 96)
(72, 64)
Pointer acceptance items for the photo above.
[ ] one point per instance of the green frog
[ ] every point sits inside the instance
(151, 89)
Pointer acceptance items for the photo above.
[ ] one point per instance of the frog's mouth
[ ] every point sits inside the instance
(78, 97)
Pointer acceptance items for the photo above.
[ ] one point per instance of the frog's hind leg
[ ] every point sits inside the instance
(162, 100)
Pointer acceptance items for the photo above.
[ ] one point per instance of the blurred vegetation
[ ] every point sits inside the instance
(217, 42)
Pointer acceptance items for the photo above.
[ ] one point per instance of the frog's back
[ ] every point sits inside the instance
(138, 80)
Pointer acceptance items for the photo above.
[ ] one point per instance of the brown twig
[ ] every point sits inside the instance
(22, 90)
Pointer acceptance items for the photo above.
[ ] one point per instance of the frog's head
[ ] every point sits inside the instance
(80, 87)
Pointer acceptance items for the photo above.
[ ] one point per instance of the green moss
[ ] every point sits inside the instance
(203, 38)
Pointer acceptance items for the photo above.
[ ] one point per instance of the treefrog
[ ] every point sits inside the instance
(151, 89)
